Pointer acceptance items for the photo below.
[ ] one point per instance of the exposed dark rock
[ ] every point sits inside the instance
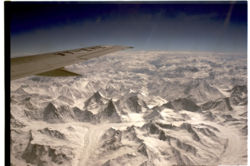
(96, 98)
(143, 149)
(133, 104)
(130, 134)
(112, 139)
(239, 95)
(244, 130)
(220, 105)
(181, 159)
(190, 129)
(153, 115)
(66, 112)
(51, 114)
(109, 114)
(183, 104)
(152, 128)
(186, 147)
(83, 116)
(207, 132)
(52, 133)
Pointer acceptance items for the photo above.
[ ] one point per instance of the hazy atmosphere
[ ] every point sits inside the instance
(191, 26)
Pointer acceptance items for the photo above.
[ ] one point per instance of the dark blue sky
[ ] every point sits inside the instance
(194, 26)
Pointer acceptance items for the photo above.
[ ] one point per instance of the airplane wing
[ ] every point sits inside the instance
(52, 64)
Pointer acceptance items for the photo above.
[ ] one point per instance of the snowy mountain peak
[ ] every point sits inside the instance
(51, 114)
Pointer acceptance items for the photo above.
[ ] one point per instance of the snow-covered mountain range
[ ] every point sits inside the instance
(134, 108)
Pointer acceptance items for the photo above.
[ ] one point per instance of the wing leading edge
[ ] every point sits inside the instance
(52, 64)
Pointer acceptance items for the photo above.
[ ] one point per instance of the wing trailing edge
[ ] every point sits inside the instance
(61, 72)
